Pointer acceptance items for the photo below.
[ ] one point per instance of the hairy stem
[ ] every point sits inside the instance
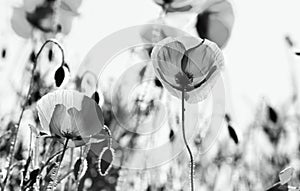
(60, 161)
(186, 144)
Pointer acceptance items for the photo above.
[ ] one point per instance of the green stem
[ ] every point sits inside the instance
(186, 144)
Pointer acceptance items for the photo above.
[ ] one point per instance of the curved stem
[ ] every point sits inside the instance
(185, 142)
(58, 45)
(16, 130)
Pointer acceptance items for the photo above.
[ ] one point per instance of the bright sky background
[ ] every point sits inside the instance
(257, 59)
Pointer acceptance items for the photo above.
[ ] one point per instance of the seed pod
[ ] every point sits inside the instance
(105, 161)
(59, 76)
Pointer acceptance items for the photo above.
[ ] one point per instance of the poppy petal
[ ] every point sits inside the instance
(19, 23)
(202, 58)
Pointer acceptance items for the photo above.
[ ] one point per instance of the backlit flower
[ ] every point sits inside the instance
(215, 21)
(188, 63)
(71, 114)
(45, 16)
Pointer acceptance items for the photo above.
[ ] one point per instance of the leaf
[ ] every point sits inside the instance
(51, 178)
(105, 161)
(232, 134)
(272, 114)
(59, 76)
(96, 97)
(32, 178)
(26, 167)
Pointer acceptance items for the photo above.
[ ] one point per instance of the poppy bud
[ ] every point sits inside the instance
(232, 134)
(105, 160)
(50, 55)
(272, 114)
(289, 41)
(3, 53)
(59, 76)
(171, 135)
(158, 83)
(96, 97)
(286, 175)
(80, 168)
(32, 57)
(227, 118)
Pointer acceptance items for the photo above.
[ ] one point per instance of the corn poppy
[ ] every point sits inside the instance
(188, 63)
(71, 115)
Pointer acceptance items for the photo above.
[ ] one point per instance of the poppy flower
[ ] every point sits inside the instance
(188, 63)
(215, 21)
(214, 18)
(42, 15)
(72, 115)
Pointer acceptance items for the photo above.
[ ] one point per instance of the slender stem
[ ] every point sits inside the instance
(16, 130)
(60, 161)
(109, 134)
(186, 144)
(70, 167)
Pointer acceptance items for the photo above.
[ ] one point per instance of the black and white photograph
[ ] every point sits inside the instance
(149, 95)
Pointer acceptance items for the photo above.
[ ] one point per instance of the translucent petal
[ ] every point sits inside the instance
(72, 112)
(219, 21)
(19, 23)
(167, 56)
(202, 58)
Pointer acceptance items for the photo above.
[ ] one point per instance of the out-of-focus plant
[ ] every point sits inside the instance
(49, 17)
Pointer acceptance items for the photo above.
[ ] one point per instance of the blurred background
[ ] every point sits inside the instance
(261, 78)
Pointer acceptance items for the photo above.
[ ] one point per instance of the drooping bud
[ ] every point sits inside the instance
(59, 76)
(105, 161)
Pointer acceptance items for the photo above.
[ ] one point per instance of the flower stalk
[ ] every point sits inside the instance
(59, 164)
(16, 130)
(186, 143)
